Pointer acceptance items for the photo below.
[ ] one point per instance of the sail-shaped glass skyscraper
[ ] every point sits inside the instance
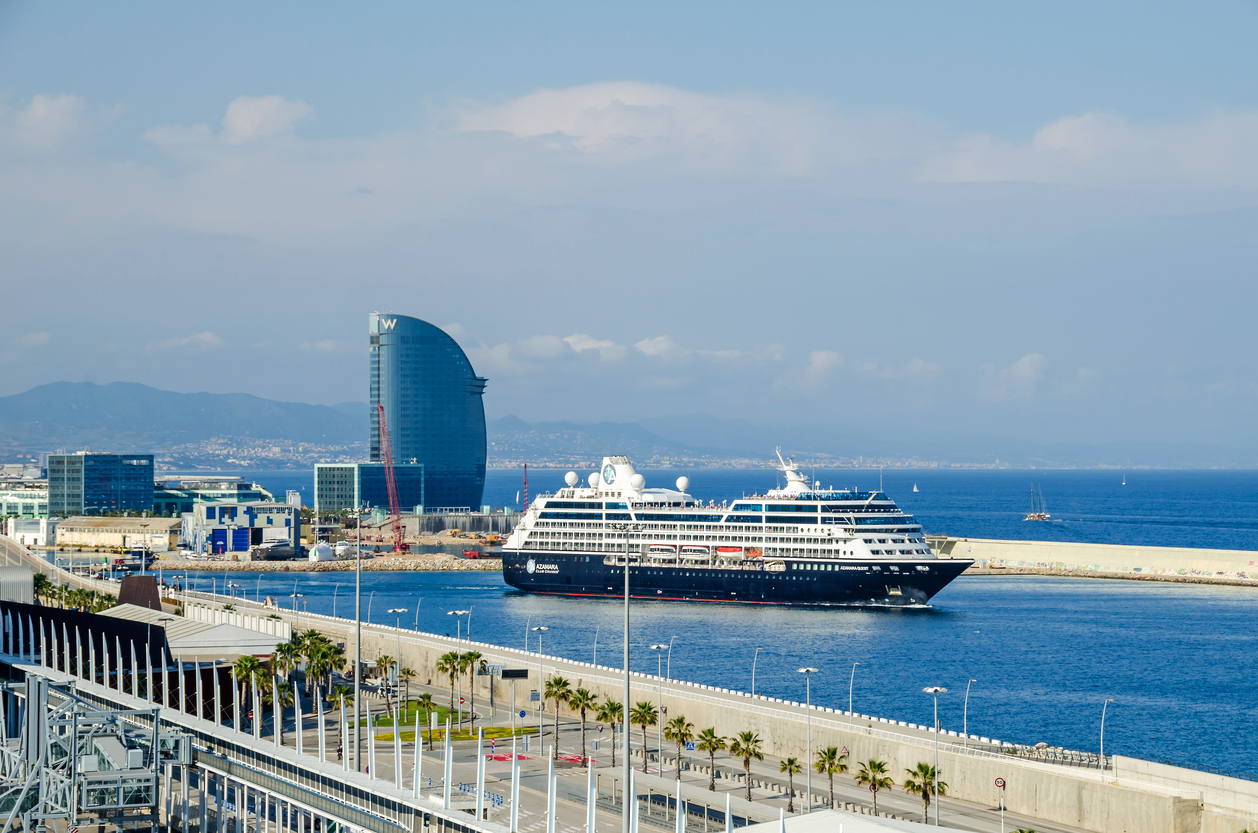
(433, 409)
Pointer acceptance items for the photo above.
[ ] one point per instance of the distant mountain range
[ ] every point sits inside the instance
(232, 431)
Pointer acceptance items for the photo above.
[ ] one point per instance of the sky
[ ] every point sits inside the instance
(917, 220)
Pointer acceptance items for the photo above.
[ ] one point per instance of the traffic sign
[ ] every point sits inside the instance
(845, 753)
(1000, 782)
(873, 788)
(461, 701)
(600, 727)
(522, 713)
(690, 746)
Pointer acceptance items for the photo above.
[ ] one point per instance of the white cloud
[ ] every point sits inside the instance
(495, 359)
(541, 347)
(454, 331)
(1018, 381)
(34, 339)
(662, 347)
(917, 368)
(201, 341)
(608, 351)
(249, 119)
(49, 118)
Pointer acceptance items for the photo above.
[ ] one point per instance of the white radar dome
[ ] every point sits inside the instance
(571, 478)
(683, 483)
(593, 480)
(637, 482)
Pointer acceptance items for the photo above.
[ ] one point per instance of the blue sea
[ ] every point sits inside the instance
(1179, 661)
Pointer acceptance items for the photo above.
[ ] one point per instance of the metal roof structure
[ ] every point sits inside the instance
(832, 821)
(199, 641)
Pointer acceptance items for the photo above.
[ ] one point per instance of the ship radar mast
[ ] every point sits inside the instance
(796, 483)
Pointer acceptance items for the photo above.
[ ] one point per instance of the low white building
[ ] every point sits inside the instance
(32, 532)
(152, 534)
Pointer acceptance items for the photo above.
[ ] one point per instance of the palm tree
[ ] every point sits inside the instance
(472, 662)
(582, 700)
(873, 774)
(830, 761)
(559, 690)
(342, 695)
(746, 745)
(285, 660)
(406, 675)
(448, 665)
(612, 713)
(643, 714)
(709, 741)
(244, 669)
(792, 767)
(283, 695)
(382, 666)
(921, 781)
(424, 701)
(680, 732)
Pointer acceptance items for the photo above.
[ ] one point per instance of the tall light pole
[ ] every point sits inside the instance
(1104, 706)
(541, 690)
(527, 622)
(595, 662)
(397, 619)
(418, 602)
(370, 600)
(965, 717)
(668, 666)
(335, 590)
(358, 636)
(936, 691)
(851, 683)
(808, 672)
(458, 627)
(297, 626)
(659, 693)
(753, 673)
(470, 608)
(626, 817)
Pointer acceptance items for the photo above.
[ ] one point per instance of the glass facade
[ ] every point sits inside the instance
(346, 485)
(94, 484)
(434, 410)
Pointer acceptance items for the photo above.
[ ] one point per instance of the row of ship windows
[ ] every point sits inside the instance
(697, 528)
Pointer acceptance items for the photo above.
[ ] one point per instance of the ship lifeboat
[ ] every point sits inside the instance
(663, 549)
(695, 552)
(729, 551)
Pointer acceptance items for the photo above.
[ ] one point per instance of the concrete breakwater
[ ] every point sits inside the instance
(1177, 564)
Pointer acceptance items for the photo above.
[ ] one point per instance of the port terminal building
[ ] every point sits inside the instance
(222, 527)
(174, 497)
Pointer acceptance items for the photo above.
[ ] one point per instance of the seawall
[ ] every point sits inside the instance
(1183, 564)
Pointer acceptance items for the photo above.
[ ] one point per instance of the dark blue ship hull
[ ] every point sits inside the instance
(830, 582)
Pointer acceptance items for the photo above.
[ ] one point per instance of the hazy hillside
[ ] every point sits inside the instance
(130, 416)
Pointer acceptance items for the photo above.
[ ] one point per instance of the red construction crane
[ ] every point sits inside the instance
(386, 450)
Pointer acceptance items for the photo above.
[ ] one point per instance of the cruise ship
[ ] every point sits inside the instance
(797, 545)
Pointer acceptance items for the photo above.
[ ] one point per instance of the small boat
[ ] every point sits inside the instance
(663, 549)
(915, 487)
(472, 553)
(728, 551)
(1039, 512)
(1124, 480)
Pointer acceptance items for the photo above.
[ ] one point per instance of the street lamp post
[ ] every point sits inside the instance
(659, 693)
(541, 691)
(851, 683)
(418, 602)
(965, 717)
(808, 672)
(1104, 706)
(595, 662)
(335, 590)
(370, 599)
(753, 673)
(936, 691)
(397, 625)
(358, 635)
(297, 612)
(527, 622)
(458, 626)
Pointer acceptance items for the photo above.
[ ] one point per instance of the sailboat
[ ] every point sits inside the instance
(1039, 512)
(915, 487)
(1124, 480)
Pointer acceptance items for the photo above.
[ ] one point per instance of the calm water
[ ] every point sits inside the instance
(1178, 660)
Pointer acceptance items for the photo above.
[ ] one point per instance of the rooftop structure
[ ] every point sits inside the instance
(23, 500)
(433, 407)
(173, 497)
(153, 534)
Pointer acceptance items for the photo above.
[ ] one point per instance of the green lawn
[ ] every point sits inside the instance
(407, 716)
(439, 736)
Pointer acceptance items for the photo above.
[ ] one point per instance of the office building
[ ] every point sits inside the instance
(433, 410)
(23, 500)
(346, 485)
(176, 497)
(87, 483)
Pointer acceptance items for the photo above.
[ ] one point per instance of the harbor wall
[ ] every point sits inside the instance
(1117, 801)
(1170, 563)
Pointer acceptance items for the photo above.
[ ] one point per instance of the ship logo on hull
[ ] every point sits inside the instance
(531, 566)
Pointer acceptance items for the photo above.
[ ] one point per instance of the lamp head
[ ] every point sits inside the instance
(659, 647)
(806, 670)
(541, 628)
(935, 689)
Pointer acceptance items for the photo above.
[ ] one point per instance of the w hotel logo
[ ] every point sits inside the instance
(387, 324)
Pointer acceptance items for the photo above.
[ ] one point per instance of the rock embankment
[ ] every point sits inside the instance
(1049, 571)
(430, 562)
